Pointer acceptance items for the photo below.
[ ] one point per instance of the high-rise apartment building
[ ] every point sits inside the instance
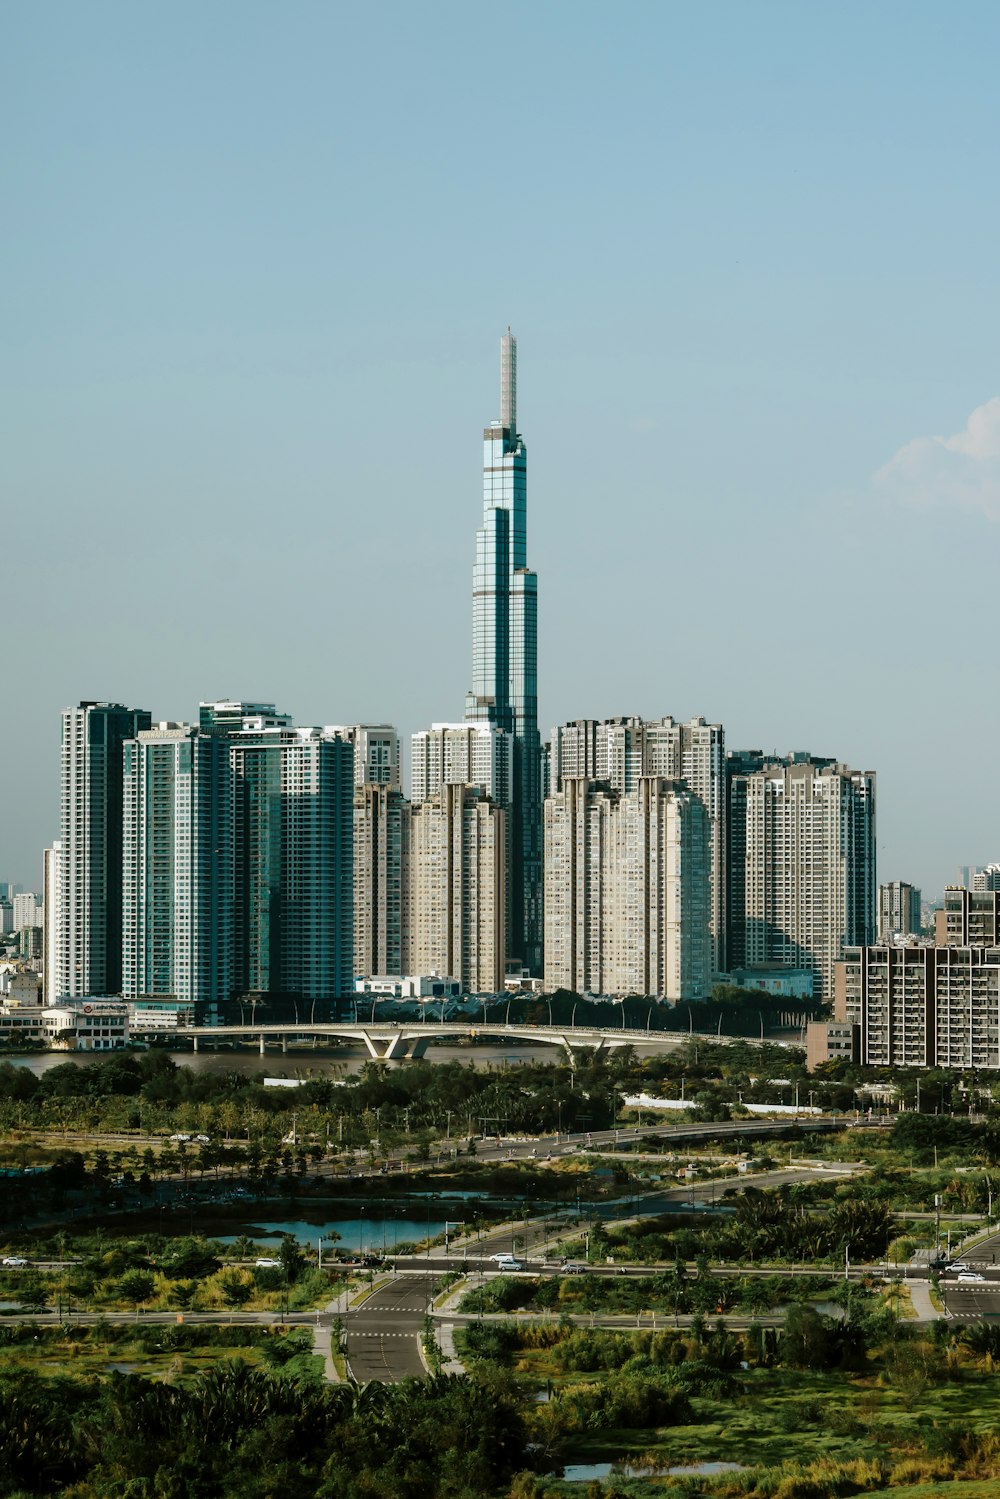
(27, 910)
(293, 836)
(968, 918)
(988, 878)
(504, 689)
(809, 874)
(458, 870)
(620, 751)
(88, 942)
(628, 889)
(177, 901)
(376, 752)
(381, 880)
(922, 1006)
(898, 911)
(461, 754)
(579, 823)
(51, 903)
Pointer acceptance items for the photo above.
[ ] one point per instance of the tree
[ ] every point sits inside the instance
(291, 1257)
(805, 1341)
(237, 1287)
(136, 1287)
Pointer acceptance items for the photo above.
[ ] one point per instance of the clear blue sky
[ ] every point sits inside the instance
(257, 260)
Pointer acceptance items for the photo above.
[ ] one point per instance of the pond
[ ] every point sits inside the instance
(583, 1472)
(367, 1234)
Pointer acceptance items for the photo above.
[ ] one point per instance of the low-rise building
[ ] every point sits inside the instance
(84, 1025)
(408, 986)
(795, 983)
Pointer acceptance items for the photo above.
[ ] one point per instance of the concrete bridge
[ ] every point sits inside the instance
(386, 1041)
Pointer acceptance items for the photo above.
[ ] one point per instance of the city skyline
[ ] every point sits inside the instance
(757, 305)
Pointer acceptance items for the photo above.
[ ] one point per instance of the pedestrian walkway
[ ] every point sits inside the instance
(923, 1307)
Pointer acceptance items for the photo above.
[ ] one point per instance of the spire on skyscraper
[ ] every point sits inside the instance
(508, 382)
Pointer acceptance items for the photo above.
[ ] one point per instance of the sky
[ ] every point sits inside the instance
(257, 261)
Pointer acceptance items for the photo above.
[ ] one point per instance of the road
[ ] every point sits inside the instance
(977, 1301)
(383, 1333)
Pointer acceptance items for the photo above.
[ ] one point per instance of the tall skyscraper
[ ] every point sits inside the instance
(627, 890)
(177, 903)
(505, 653)
(457, 889)
(87, 956)
(809, 875)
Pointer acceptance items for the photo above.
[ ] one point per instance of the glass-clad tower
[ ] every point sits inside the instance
(505, 653)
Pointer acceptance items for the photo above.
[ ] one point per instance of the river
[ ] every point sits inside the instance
(304, 1062)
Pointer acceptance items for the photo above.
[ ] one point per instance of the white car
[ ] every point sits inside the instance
(508, 1262)
(13, 1261)
(971, 1275)
(267, 1264)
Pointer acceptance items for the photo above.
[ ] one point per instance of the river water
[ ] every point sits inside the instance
(301, 1062)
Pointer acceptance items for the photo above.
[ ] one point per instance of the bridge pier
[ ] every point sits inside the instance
(262, 1045)
(284, 1045)
(195, 1042)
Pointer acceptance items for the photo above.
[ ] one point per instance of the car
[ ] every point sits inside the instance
(957, 1265)
(572, 1267)
(971, 1275)
(13, 1261)
(509, 1262)
(499, 1259)
(267, 1264)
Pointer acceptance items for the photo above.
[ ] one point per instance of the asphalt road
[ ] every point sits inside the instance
(383, 1333)
(978, 1301)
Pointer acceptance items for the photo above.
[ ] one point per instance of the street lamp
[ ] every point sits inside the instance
(450, 1224)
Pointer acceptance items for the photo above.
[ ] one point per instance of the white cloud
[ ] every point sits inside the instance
(961, 472)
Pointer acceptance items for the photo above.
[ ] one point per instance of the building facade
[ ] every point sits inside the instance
(461, 754)
(293, 837)
(51, 902)
(88, 941)
(809, 876)
(620, 751)
(922, 1005)
(968, 918)
(381, 880)
(458, 872)
(628, 890)
(898, 911)
(504, 690)
(376, 752)
(177, 893)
